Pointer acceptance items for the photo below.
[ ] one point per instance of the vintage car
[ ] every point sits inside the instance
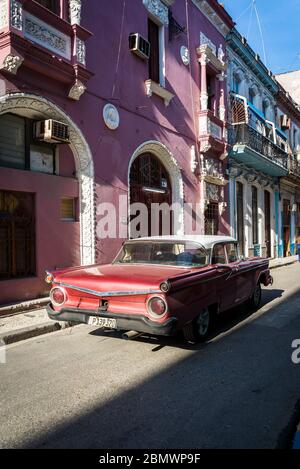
(160, 286)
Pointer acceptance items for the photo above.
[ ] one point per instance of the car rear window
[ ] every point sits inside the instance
(179, 254)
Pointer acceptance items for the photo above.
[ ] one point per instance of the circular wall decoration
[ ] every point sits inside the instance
(185, 55)
(111, 116)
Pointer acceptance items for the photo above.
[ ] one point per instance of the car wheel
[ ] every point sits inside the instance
(255, 299)
(199, 328)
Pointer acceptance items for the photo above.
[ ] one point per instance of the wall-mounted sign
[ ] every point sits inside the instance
(111, 116)
(185, 55)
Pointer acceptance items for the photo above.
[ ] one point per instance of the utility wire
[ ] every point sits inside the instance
(261, 32)
(245, 11)
(250, 21)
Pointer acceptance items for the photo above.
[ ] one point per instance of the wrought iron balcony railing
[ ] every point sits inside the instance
(243, 134)
(294, 166)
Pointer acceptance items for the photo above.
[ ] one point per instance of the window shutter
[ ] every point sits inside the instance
(67, 209)
(153, 37)
(12, 141)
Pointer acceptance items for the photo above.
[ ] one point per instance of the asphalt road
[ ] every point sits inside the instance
(83, 388)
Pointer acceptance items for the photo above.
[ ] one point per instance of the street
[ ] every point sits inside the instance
(85, 388)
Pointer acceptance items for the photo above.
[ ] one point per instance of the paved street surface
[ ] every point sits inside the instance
(83, 388)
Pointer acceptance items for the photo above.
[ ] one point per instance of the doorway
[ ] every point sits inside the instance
(240, 216)
(268, 223)
(150, 184)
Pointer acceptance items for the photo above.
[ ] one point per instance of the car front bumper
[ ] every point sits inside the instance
(128, 322)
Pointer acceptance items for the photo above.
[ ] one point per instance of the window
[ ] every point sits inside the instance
(51, 5)
(12, 141)
(211, 219)
(236, 83)
(19, 150)
(232, 252)
(218, 254)
(68, 209)
(211, 92)
(254, 215)
(154, 61)
(179, 254)
(17, 235)
(252, 95)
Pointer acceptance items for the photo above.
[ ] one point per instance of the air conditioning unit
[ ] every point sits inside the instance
(139, 46)
(51, 131)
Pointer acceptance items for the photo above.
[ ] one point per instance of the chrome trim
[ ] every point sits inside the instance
(107, 294)
(150, 312)
(58, 305)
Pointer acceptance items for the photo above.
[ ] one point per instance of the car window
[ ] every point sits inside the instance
(232, 252)
(218, 254)
(178, 254)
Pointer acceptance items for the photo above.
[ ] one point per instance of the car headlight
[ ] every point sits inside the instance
(156, 307)
(58, 296)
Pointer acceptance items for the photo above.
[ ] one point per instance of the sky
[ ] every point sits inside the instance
(280, 24)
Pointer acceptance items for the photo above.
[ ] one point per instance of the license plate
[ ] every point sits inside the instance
(102, 322)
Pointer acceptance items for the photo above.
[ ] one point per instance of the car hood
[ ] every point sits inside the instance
(118, 277)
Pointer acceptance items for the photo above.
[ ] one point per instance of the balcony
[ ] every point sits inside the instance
(294, 167)
(211, 133)
(253, 149)
(34, 38)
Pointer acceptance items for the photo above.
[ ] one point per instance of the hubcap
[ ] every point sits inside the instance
(203, 322)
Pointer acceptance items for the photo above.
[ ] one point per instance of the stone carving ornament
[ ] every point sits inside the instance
(158, 9)
(75, 11)
(16, 15)
(11, 63)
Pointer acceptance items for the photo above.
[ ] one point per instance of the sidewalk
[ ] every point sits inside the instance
(29, 324)
(274, 263)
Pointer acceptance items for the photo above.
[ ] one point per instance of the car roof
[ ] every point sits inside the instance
(205, 240)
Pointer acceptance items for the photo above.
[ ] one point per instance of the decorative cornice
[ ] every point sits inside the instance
(240, 46)
(206, 54)
(222, 25)
(158, 9)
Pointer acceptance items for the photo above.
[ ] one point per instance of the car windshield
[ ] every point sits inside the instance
(186, 254)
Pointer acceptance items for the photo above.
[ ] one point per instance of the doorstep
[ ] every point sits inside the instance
(15, 328)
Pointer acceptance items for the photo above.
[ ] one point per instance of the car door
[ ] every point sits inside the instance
(243, 273)
(226, 279)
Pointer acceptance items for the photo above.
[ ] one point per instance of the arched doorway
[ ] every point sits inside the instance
(150, 184)
(170, 167)
(37, 107)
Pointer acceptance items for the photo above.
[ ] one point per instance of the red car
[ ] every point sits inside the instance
(160, 285)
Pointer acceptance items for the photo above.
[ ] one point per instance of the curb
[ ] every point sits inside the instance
(283, 264)
(10, 310)
(24, 333)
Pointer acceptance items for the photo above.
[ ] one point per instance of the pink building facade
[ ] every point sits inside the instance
(135, 125)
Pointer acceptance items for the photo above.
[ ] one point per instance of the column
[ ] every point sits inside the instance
(203, 88)
(221, 96)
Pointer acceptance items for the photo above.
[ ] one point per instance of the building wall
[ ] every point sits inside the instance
(101, 157)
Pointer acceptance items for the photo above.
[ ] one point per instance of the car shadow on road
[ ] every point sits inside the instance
(225, 322)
